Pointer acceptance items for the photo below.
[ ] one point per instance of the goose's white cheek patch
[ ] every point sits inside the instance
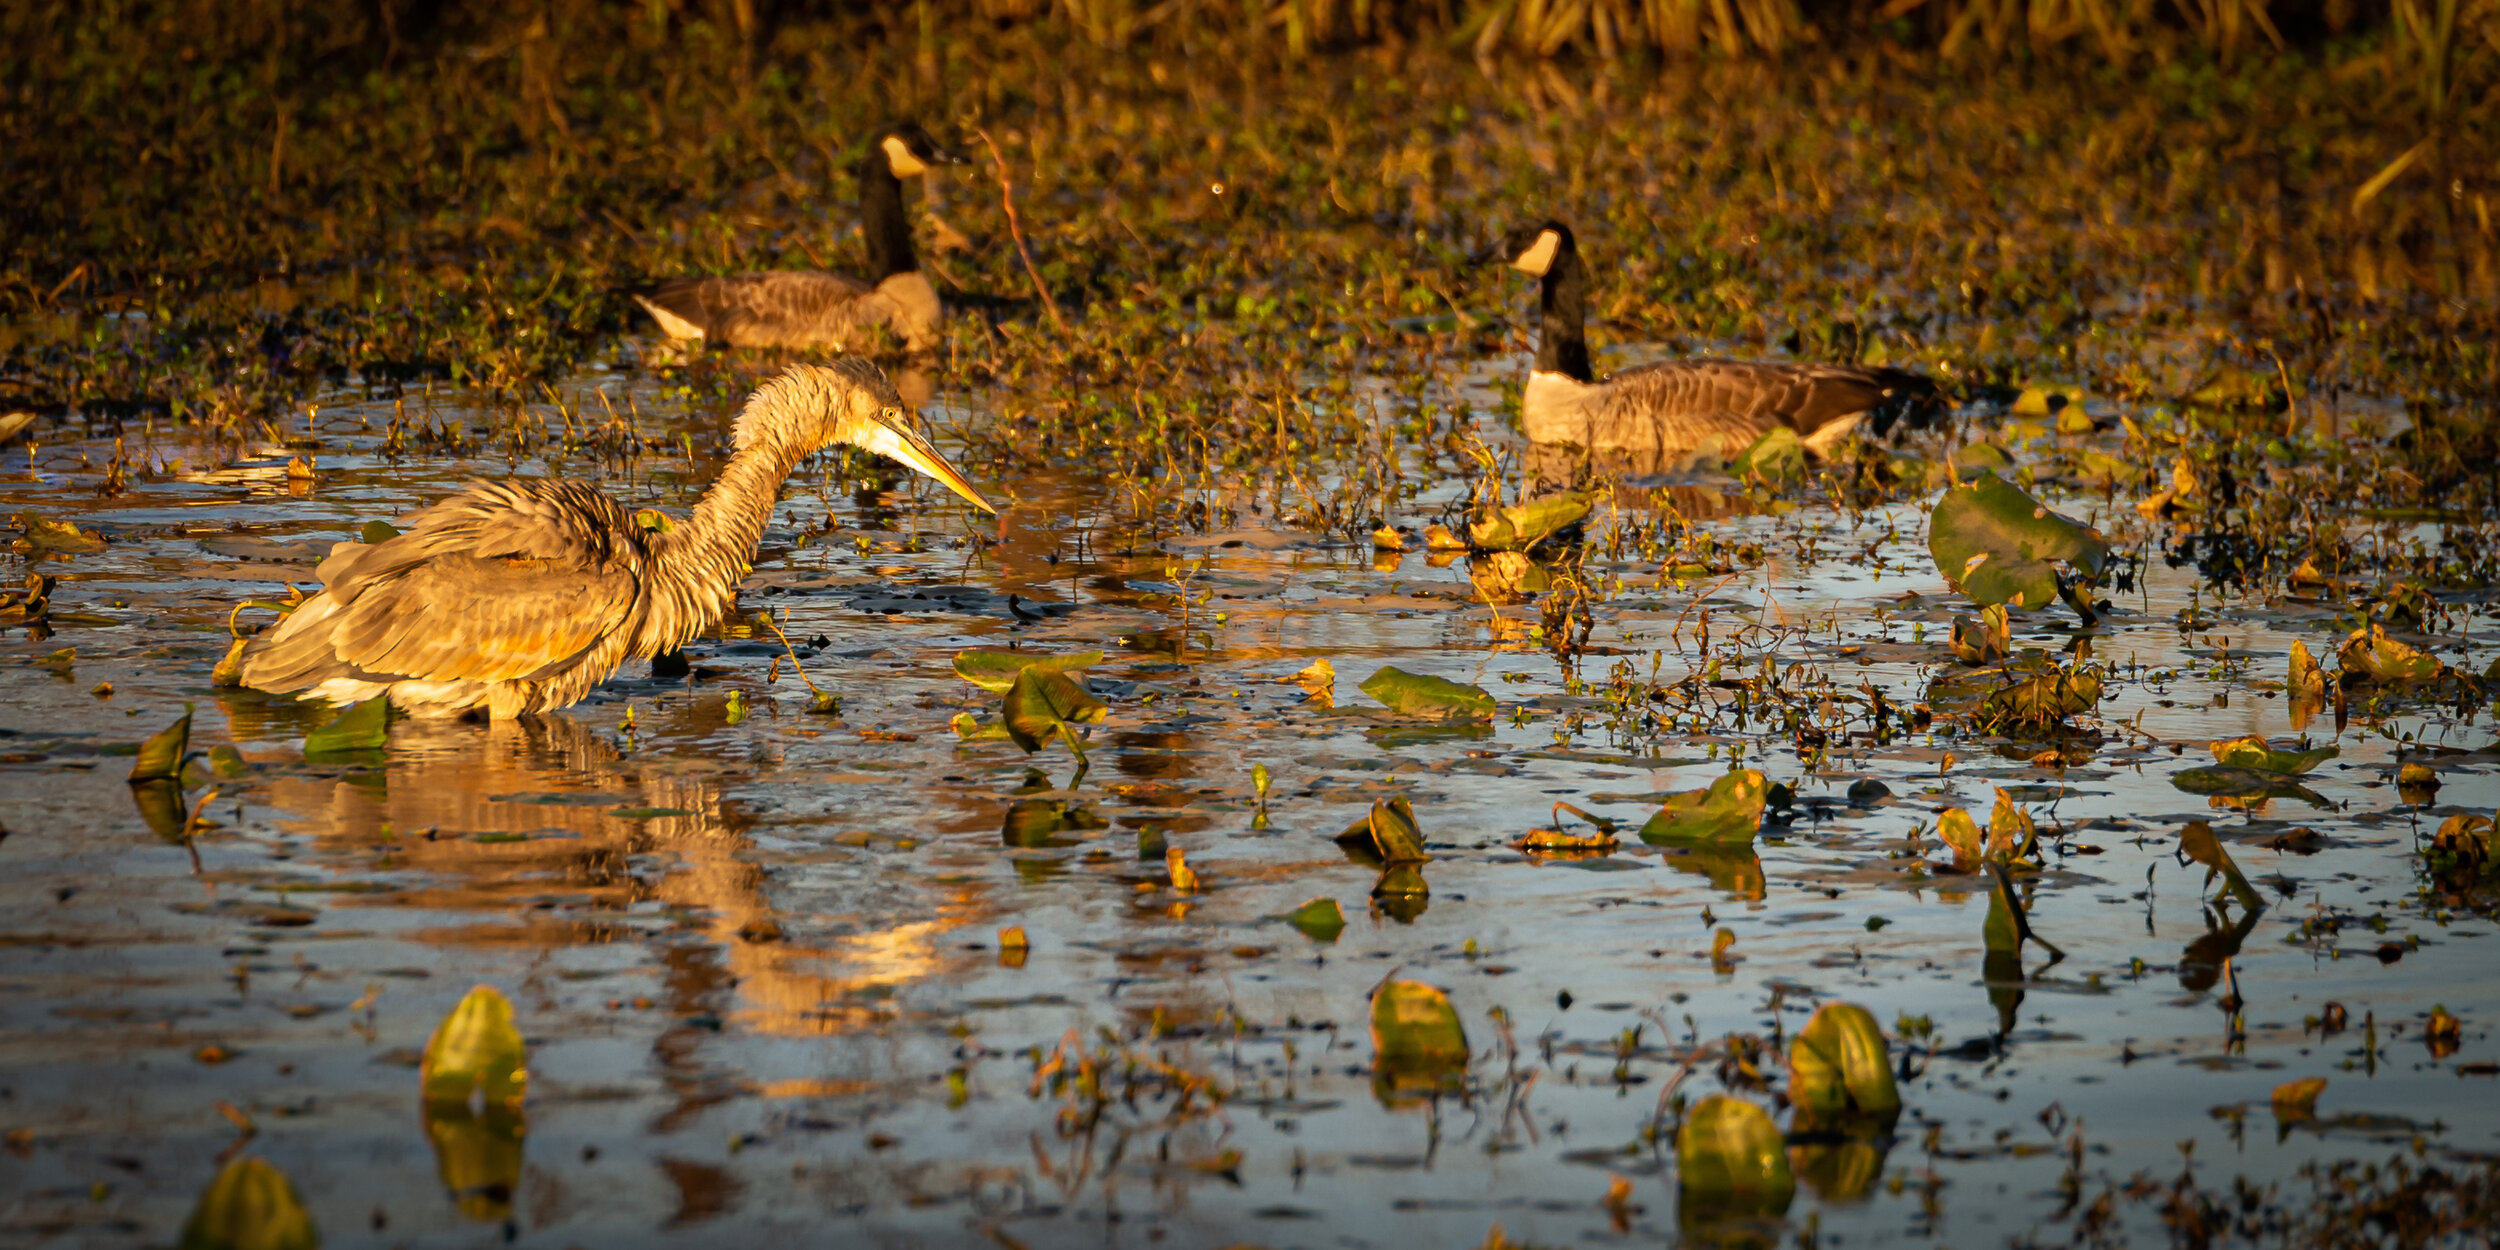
(1540, 255)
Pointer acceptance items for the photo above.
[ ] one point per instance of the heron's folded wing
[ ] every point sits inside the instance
(460, 617)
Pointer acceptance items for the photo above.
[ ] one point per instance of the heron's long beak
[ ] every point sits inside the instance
(898, 442)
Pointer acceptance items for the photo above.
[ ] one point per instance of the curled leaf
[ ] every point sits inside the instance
(2252, 752)
(362, 727)
(2298, 1100)
(160, 757)
(1838, 1064)
(476, 1049)
(1428, 697)
(1728, 1149)
(250, 1206)
(1728, 813)
(2372, 655)
(1042, 702)
(1416, 1030)
(2002, 546)
(1524, 525)
(2199, 844)
(1320, 920)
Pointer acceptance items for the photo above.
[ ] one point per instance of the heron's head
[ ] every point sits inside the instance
(853, 403)
(909, 151)
(1533, 249)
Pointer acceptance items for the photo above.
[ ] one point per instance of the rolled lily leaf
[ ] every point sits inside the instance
(1524, 525)
(2012, 834)
(1729, 1149)
(2252, 752)
(1428, 697)
(250, 1206)
(1728, 813)
(1959, 832)
(1838, 1064)
(160, 757)
(2371, 654)
(996, 671)
(476, 1049)
(1415, 1029)
(2199, 844)
(2002, 546)
(1389, 831)
(2307, 679)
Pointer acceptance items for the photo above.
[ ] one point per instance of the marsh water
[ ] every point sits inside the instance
(756, 950)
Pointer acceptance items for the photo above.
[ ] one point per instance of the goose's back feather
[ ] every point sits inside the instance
(1682, 407)
(793, 308)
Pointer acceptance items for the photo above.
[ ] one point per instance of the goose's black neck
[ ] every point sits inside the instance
(882, 219)
(1561, 345)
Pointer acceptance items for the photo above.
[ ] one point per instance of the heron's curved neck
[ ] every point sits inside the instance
(1561, 344)
(696, 566)
(882, 220)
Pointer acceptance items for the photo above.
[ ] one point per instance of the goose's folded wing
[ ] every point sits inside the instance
(741, 305)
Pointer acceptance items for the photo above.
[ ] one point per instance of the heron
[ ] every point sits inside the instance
(514, 598)
(1678, 408)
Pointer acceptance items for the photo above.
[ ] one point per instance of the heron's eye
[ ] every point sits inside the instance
(892, 414)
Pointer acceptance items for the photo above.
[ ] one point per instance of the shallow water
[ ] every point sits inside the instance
(758, 963)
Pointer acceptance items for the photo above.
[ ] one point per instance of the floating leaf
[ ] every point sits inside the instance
(1175, 863)
(362, 727)
(2241, 783)
(1438, 537)
(1999, 545)
(1039, 822)
(1777, 456)
(1507, 577)
(1042, 702)
(1388, 538)
(1838, 1064)
(160, 757)
(1524, 525)
(2252, 752)
(2298, 1100)
(996, 671)
(1389, 831)
(58, 537)
(1319, 681)
(375, 533)
(1260, 780)
(2199, 844)
(1427, 697)
(1402, 880)
(250, 1206)
(1320, 920)
(1730, 1149)
(1728, 813)
(2307, 678)
(2371, 654)
(476, 1049)
(1416, 1030)
(2042, 701)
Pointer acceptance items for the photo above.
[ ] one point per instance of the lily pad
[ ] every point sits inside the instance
(476, 1050)
(1838, 1064)
(2251, 783)
(1415, 1030)
(1041, 702)
(160, 757)
(1320, 920)
(2252, 752)
(362, 727)
(2371, 654)
(375, 533)
(1428, 697)
(59, 537)
(996, 671)
(1999, 545)
(1728, 813)
(1730, 1149)
(1524, 525)
(2042, 701)
(250, 1206)
(1777, 456)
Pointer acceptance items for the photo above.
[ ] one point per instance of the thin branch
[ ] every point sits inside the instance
(1015, 226)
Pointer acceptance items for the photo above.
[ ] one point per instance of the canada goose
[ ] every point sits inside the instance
(1679, 408)
(809, 308)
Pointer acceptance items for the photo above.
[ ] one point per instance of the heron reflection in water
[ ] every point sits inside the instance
(514, 598)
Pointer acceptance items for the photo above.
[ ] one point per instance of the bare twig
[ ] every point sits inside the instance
(1015, 226)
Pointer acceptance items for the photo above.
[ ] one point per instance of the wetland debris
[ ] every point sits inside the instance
(250, 1206)
(29, 604)
(2372, 655)
(1040, 696)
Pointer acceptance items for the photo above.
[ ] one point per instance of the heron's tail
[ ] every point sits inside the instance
(296, 654)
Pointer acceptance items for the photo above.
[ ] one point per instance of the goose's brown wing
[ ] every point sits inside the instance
(501, 582)
(1732, 395)
(766, 309)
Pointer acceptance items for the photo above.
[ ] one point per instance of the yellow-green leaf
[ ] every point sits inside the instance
(362, 727)
(2199, 844)
(1040, 701)
(250, 1206)
(1838, 1064)
(1320, 920)
(44, 534)
(1524, 525)
(1428, 697)
(1414, 1028)
(160, 756)
(996, 671)
(2252, 752)
(1728, 813)
(2298, 1100)
(1777, 456)
(2002, 546)
(477, 1049)
(1729, 1148)
(2372, 654)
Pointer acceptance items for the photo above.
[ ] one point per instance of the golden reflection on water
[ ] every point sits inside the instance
(528, 833)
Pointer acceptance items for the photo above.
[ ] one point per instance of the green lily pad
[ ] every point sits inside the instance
(362, 727)
(1320, 920)
(2223, 781)
(1729, 1148)
(476, 1049)
(1777, 456)
(996, 671)
(1042, 702)
(1999, 545)
(1524, 525)
(1415, 1029)
(2379, 658)
(64, 537)
(2252, 752)
(160, 757)
(1428, 697)
(375, 533)
(250, 1206)
(1728, 813)
(1838, 1064)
